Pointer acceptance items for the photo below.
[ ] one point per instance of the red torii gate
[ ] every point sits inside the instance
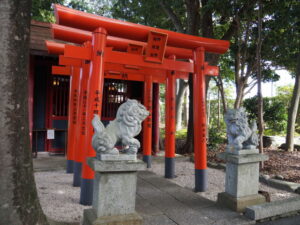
(112, 48)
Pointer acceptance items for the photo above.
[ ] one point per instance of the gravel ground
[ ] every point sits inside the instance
(216, 181)
(60, 200)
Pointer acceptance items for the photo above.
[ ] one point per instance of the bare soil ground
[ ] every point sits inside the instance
(281, 164)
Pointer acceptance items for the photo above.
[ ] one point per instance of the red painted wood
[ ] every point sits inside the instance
(74, 93)
(199, 110)
(170, 114)
(82, 112)
(147, 124)
(78, 36)
(61, 70)
(69, 61)
(85, 21)
(94, 103)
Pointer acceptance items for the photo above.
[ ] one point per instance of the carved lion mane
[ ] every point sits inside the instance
(239, 134)
(126, 126)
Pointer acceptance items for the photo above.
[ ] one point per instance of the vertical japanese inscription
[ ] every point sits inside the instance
(84, 109)
(96, 102)
(75, 104)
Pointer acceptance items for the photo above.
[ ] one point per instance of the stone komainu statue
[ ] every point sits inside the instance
(126, 126)
(239, 134)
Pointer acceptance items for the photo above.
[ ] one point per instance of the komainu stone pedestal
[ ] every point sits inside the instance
(242, 180)
(114, 193)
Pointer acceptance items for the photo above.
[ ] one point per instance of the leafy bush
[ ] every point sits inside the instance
(275, 113)
(180, 134)
(217, 136)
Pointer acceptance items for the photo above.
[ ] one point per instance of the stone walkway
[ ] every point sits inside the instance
(160, 201)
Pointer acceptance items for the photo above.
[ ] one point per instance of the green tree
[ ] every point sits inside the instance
(285, 93)
(19, 201)
(283, 28)
(41, 10)
(274, 115)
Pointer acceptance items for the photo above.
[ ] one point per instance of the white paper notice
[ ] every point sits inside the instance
(50, 134)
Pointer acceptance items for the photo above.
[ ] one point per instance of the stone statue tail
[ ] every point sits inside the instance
(97, 124)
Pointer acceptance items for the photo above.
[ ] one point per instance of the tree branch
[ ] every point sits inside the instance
(235, 21)
(173, 17)
(251, 86)
(207, 21)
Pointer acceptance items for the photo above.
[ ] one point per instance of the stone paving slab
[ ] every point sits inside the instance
(178, 205)
(145, 208)
(183, 195)
(158, 220)
(258, 212)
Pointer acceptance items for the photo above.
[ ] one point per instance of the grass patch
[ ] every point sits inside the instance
(180, 134)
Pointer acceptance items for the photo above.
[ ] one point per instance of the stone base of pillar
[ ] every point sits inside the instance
(114, 192)
(239, 204)
(90, 218)
(242, 179)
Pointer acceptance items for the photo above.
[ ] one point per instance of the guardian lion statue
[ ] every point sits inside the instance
(124, 128)
(239, 134)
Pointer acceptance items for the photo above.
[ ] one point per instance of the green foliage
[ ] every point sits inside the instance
(217, 136)
(162, 108)
(275, 113)
(162, 133)
(180, 134)
(146, 12)
(227, 67)
(80, 5)
(281, 27)
(41, 10)
(285, 94)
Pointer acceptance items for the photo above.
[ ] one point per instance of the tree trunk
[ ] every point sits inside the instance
(185, 113)
(19, 203)
(208, 109)
(293, 110)
(239, 94)
(182, 86)
(259, 94)
(189, 144)
(219, 110)
(222, 92)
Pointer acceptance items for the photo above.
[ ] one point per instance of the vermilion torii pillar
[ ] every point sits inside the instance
(94, 106)
(170, 123)
(72, 116)
(199, 121)
(147, 124)
(81, 130)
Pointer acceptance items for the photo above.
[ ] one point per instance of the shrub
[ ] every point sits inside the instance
(217, 136)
